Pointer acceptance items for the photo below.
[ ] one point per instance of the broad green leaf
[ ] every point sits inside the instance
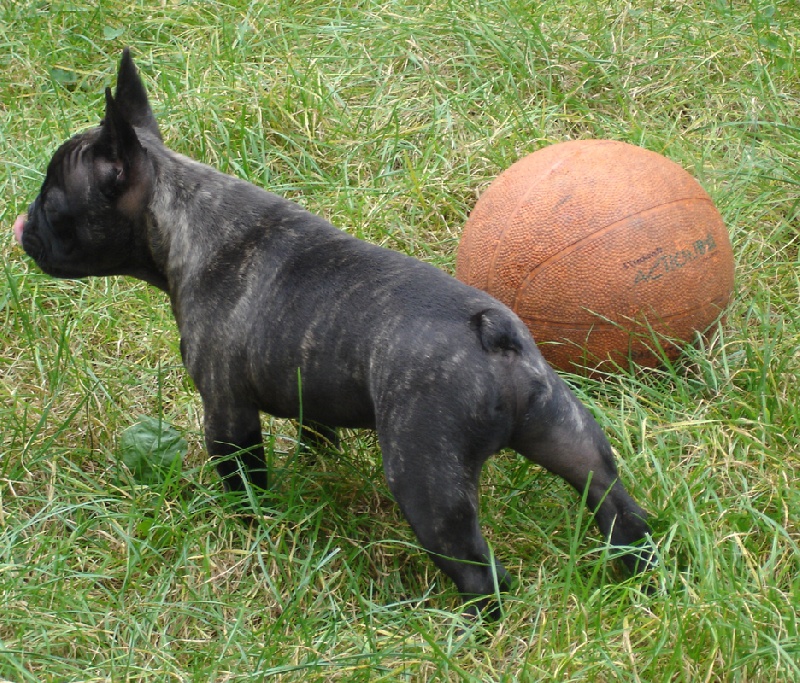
(152, 450)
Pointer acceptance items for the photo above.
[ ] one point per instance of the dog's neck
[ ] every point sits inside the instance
(187, 197)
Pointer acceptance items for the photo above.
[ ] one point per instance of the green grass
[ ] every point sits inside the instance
(390, 118)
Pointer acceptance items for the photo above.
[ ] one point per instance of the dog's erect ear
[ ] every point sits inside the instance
(117, 150)
(131, 97)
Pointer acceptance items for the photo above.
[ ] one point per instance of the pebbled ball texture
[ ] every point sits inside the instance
(607, 251)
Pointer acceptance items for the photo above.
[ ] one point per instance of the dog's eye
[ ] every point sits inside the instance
(54, 199)
(55, 208)
(58, 214)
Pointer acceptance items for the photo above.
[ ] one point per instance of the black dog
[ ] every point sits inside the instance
(281, 312)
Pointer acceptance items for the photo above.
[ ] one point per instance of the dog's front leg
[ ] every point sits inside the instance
(234, 442)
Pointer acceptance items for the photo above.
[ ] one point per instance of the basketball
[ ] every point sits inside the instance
(608, 252)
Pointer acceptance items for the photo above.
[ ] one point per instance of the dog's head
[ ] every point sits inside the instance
(90, 215)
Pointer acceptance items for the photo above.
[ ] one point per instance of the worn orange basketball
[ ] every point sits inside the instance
(606, 251)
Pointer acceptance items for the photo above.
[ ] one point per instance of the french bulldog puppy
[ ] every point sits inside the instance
(281, 312)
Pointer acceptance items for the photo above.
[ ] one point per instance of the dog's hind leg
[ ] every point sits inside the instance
(437, 490)
(560, 434)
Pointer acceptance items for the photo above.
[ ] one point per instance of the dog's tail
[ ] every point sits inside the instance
(497, 331)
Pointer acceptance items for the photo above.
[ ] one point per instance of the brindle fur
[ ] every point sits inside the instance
(265, 293)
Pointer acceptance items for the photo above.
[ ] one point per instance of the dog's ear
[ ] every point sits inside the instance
(118, 151)
(131, 96)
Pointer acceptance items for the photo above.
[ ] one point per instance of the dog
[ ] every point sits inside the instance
(281, 312)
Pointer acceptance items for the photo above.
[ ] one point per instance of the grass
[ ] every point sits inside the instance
(390, 118)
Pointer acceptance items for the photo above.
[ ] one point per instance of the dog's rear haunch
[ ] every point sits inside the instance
(263, 291)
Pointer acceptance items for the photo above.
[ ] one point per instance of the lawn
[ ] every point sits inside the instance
(390, 118)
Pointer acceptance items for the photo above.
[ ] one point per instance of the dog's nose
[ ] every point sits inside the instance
(19, 227)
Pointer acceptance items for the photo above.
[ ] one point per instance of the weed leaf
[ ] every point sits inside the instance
(152, 450)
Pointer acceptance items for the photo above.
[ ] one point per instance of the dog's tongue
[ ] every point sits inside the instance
(19, 227)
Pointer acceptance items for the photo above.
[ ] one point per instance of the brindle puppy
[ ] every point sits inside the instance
(265, 293)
